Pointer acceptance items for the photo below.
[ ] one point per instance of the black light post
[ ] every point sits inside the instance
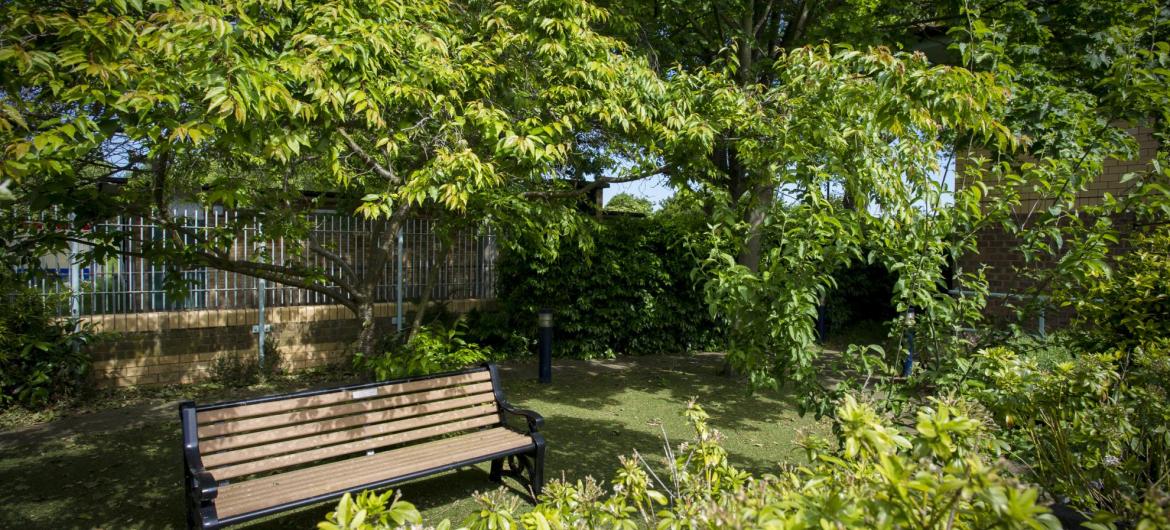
(545, 322)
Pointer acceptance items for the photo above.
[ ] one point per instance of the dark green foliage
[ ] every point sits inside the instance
(630, 293)
(492, 328)
(237, 370)
(863, 294)
(42, 357)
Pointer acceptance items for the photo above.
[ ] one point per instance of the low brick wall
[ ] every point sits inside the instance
(179, 347)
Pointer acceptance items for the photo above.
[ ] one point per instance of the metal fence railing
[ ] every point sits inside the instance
(130, 284)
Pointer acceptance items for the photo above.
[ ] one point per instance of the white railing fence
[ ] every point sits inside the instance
(130, 284)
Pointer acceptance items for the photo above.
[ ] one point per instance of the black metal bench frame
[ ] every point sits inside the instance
(526, 465)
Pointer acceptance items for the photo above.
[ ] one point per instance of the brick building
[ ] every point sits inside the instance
(997, 249)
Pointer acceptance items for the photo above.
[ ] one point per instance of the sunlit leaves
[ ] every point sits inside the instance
(850, 140)
(442, 102)
(882, 480)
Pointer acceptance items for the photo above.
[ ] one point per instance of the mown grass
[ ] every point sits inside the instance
(80, 473)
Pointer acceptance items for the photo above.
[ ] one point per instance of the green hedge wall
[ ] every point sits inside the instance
(631, 294)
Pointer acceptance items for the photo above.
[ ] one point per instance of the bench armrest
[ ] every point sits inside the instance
(203, 485)
(535, 420)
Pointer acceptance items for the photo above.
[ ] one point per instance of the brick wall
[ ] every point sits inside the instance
(1109, 181)
(179, 347)
(997, 248)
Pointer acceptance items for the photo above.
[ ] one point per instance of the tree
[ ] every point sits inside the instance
(465, 111)
(624, 202)
(869, 123)
(742, 40)
(786, 179)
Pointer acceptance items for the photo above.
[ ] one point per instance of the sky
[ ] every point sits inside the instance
(654, 188)
(658, 188)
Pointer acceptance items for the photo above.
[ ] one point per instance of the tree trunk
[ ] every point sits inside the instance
(764, 197)
(432, 280)
(367, 343)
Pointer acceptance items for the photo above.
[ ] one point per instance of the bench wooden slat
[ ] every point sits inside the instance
(212, 445)
(250, 496)
(326, 412)
(250, 458)
(435, 453)
(368, 430)
(271, 407)
(312, 455)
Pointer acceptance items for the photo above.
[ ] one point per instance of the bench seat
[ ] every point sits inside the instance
(399, 464)
(257, 457)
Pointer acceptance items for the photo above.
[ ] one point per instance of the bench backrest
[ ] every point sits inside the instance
(267, 434)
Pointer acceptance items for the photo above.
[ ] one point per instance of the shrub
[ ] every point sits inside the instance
(1087, 412)
(626, 203)
(492, 328)
(42, 356)
(434, 348)
(235, 370)
(943, 474)
(631, 292)
(1095, 430)
(1048, 351)
(1131, 304)
(369, 511)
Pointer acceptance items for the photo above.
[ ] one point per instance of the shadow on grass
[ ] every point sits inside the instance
(123, 479)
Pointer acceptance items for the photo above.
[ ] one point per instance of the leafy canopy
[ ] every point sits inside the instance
(421, 103)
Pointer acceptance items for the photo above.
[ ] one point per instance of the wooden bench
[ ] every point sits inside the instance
(255, 457)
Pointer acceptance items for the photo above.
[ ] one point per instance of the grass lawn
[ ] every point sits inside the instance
(120, 468)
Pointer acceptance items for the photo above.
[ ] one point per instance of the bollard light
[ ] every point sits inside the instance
(544, 321)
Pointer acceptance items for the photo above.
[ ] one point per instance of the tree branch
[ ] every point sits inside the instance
(763, 19)
(381, 170)
(320, 250)
(285, 275)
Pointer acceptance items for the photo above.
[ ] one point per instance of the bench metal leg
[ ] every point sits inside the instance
(527, 468)
(497, 473)
(201, 517)
(192, 518)
(537, 472)
(193, 521)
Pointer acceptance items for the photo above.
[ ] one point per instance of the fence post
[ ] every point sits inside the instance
(261, 327)
(398, 284)
(74, 281)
